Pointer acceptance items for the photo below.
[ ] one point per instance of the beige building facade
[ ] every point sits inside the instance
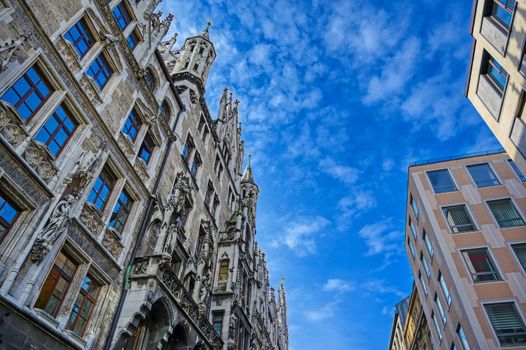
(466, 243)
(121, 197)
(496, 83)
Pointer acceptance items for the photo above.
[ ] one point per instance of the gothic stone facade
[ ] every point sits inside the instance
(125, 220)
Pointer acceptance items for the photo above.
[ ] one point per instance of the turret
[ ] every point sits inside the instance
(249, 189)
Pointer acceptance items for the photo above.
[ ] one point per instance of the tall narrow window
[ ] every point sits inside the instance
(188, 148)
(444, 288)
(411, 248)
(215, 205)
(100, 71)
(217, 320)
(507, 323)
(505, 213)
(463, 338)
(28, 93)
(121, 212)
(133, 40)
(441, 181)
(8, 213)
(57, 130)
(422, 283)
(223, 269)
(520, 252)
(80, 37)
(437, 327)
(483, 175)
(132, 125)
(196, 164)
(150, 79)
(83, 306)
(121, 15)
(201, 123)
(517, 171)
(209, 193)
(414, 206)
(480, 265)
(165, 111)
(429, 247)
(56, 284)
(458, 219)
(101, 190)
(501, 12)
(146, 150)
(413, 229)
(426, 266)
(496, 74)
(185, 211)
(440, 309)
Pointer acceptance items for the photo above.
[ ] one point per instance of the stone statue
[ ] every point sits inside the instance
(85, 166)
(171, 237)
(205, 287)
(54, 227)
(179, 193)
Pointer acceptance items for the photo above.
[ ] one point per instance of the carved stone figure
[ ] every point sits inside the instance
(55, 226)
(84, 167)
(171, 237)
(8, 49)
(180, 192)
(205, 287)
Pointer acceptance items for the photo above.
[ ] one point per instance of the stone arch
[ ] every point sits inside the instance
(158, 324)
(178, 340)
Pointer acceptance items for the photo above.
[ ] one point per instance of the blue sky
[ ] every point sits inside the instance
(336, 99)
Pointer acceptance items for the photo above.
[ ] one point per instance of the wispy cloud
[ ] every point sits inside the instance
(300, 235)
(382, 238)
(324, 312)
(338, 285)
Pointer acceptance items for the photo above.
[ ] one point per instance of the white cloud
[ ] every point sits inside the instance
(324, 312)
(380, 287)
(300, 234)
(338, 285)
(381, 238)
(356, 203)
(344, 173)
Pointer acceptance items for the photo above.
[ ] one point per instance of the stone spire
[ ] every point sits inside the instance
(247, 174)
(205, 33)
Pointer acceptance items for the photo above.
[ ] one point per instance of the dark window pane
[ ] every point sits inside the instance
(57, 130)
(483, 175)
(505, 213)
(441, 181)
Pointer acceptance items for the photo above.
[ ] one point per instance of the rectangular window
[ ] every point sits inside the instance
(215, 205)
(429, 247)
(133, 40)
(444, 288)
(28, 93)
(121, 15)
(437, 327)
(458, 219)
(121, 212)
(8, 214)
(56, 284)
(209, 193)
(101, 190)
(414, 206)
(146, 150)
(80, 37)
(100, 71)
(422, 283)
(216, 162)
(483, 175)
(440, 309)
(520, 252)
(507, 323)
(201, 124)
(413, 229)
(217, 321)
(205, 133)
(505, 213)
(57, 130)
(184, 214)
(462, 337)
(441, 181)
(426, 266)
(411, 248)
(195, 164)
(480, 265)
(496, 74)
(517, 170)
(501, 12)
(188, 148)
(132, 125)
(83, 306)
(223, 269)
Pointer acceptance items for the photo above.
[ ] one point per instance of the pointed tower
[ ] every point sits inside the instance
(283, 315)
(249, 190)
(195, 59)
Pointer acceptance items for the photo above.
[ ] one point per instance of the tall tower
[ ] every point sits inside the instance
(249, 193)
(195, 59)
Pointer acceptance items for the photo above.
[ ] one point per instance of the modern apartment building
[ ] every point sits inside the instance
(401, 309)
(126, 221)
(496, 83)
(466, 243)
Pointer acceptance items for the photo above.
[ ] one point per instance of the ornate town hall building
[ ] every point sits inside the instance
(126, 221)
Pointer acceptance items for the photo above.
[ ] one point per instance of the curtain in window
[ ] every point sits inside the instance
(505, 213)
(480, 265)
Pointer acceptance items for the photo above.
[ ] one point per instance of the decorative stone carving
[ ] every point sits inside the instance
(91, 219)
(181, 88)
(89, 88)
(140, 266)
(84, 168)
(180, 192)
(68, 53)
(205, 289)
(55, 226)
(9, 47)
(39, 158)
(112, 243)
(193, 96)
(11, 125)
(108, 39)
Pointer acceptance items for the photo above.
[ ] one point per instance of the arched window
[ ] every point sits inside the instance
(150, 79)
(165, 110)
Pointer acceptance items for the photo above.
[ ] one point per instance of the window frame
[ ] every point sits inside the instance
(127, 12)
(505, 26)
(468, 213)
(516, 170)
(137, 124)
(148, 145)
(515, 207)
(138, 39)
(445, 289)
(61, 126)
(518, 312)
(427, 243)
(84, 21)
(214, 314)
(6, 225)
(492, 65)
(105, 66)
(490, 168)
(127, 210)
(112, 180)
(498, 277)
(454, 184)
(87, 296)
(512, 247)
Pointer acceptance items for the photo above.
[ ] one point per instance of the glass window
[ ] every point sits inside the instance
(195, 164)
(441, 181)
(132, 125)
(414, 206)
(411, 248)
(146, 150)
(121, 212)
(437, 327)
(458, 219)
(57, 130)
(440, 309)
(101, 190)
(133, 40)
(483, 175)
(201, 124)
(188, 148)
(413, 229)
(28, 93)
(497, 74)
(56, 284)
(209, 192)
(422, 283)
(8, 214)
(480, 265)
(223, 269)
(429, 247)
(463, 339)
(100, 71)
(516, 170)
(217, 320)
(505, 213)
(184, 214)
(507, 323)
(520, 252)
(165, 111)
(501, 11)
(83, 306)
(426, 266)
(121, 15)
(444, 288)
(80, 37)
(150, 80)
